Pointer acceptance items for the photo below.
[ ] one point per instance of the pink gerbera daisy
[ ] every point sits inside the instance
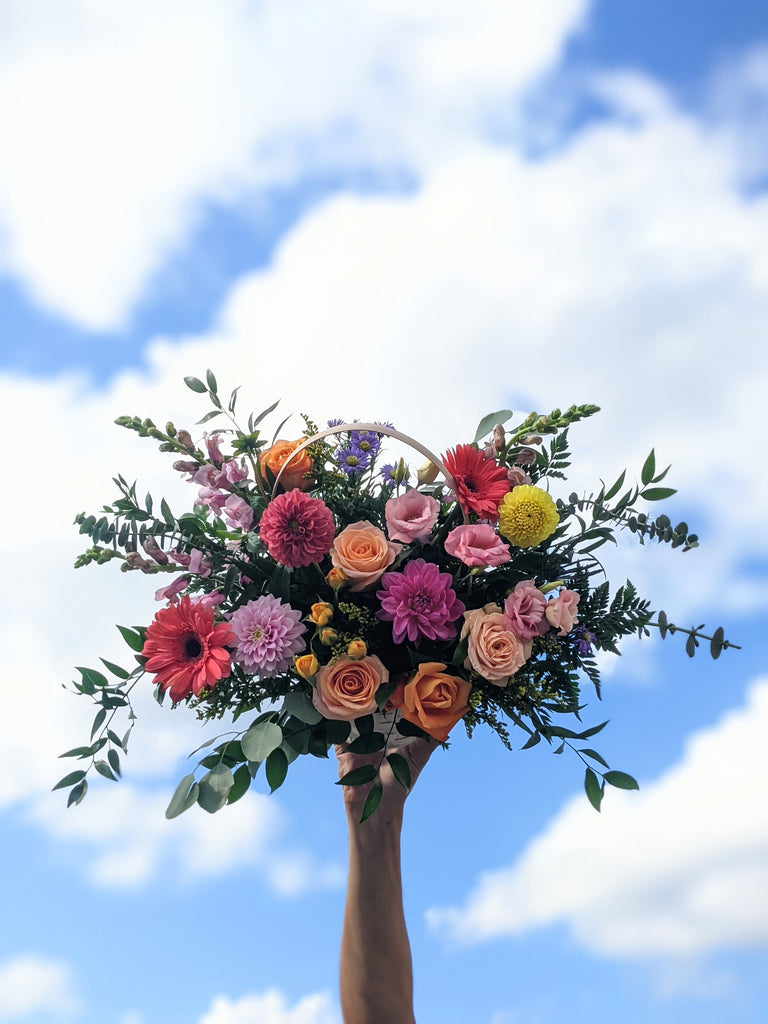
(297, 529)
(480, 482)
(185, 651)
(268, 634)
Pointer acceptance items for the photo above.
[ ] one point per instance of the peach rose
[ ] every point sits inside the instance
(562, 611)
(347, 688)
(363, 553)
(493, 652)
(295, 474)
(434, 699)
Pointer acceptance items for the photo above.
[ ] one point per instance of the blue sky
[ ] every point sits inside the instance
(416, 215)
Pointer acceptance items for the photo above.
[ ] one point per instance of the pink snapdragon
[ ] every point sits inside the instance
(212, 442)
(238, 512)
(477, 544)
(411, 516)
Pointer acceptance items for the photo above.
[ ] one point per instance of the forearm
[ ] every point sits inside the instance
(376, 972)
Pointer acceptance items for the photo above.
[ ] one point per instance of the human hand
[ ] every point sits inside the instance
(416, 752)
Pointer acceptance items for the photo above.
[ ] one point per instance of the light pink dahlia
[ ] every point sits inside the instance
(419, 602)
(297, 529)
(269, 633)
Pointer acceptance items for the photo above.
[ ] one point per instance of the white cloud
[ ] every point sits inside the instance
(31, 984)
(677, 870)
(272, 1008)
(120, 126)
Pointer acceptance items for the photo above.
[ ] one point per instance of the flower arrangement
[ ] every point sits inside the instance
(333, 600)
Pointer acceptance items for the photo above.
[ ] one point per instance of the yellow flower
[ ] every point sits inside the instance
(357, 649)
(527, 516)
(336, 578)
(328, 636)
(321, 613)
(306, 665)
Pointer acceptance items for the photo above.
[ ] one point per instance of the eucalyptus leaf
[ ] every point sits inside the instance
(649, 468)
(261, 739)
(298, 704)
(195, 385)
(276, 769)
(183, 797)
(487, 423)
(657, 493)
(214, 788)
(70, 780)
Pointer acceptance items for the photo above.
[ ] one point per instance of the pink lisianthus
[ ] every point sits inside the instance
(562, 611)
(477, 544)
(238, 512)
(525, 610)
(297, 529)
(411, 516)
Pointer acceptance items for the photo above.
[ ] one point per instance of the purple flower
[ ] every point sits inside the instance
(584, 639)
(419, 602)
(269, 633)
(352, 460)
(365, 441)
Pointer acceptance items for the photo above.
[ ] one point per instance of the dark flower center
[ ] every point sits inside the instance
(192, 646)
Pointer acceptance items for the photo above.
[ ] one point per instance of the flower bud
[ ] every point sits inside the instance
(530, 439)
(498, 437)
(135, 561)
(336, 578)
(306, 665)
(186, 467)
(489, 451)
(428, 473)
(357, 649)
(170, 429)
(321, 613)
(517, 476)
(153, 549)
(184, 438)
(525, 457)
(328, 636)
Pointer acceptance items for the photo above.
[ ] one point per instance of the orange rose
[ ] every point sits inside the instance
(295, 475)
(306, 665)
(363, 553)
(321, 613)
(347, 688)
(435, 700)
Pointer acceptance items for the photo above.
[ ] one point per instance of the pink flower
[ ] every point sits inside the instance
(524, 610)
(363, 554)
(517, 476)
(209, 476)
(525, 457)
(411, 516)
(171, 591)
(199, 564)
(269, 633)
(419, 602)
(238, 512)
(213, 498)
(234, 472)
(297, 529)
(562, 611)
(477, 544)
(209, 600)
(214, 452)
(493, 651)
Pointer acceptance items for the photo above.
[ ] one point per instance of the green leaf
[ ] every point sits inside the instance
(649, 468)
(183, 797)
(298, 704)
(77, 752)
(214, 788)
(337, 730)
(364, 724)
(594, 755)
(211, 381)
(132, 638)
(593, 789)
(242, 782)
(406, 728)
(663, 624)
(657, 493)
(690, 645)
(195, 385)
(71, 779)
(531, 741)
(208, 416)
(114, 761)
(613, 491)
(166, 513)
(267, 411)
(620, 780)
(383, 694)
(116, 670)
(276, 769)
(487, 423)
(261, 739)
(593, 731)
(98, 721)
(103, 769)
(358, 776)
(716, 644)
(400, 769)
(372, 800)
(94, 678)
(77, 794)
(368, 743)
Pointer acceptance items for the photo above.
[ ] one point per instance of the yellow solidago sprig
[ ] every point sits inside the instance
(527, 516)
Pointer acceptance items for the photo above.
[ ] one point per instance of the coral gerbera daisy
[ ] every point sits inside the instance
(480, 482)
(527, 516)
(185, 651)
(268, 633)
(297, 529)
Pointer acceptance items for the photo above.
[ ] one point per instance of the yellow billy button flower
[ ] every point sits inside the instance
(306, 665)
(321, 613)
(527, 516)
(357, 649)
(328, 636)
(336, 578)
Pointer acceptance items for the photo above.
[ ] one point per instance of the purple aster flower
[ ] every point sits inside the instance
(335, 423)
(389, 475)
(419, 602)
(584, 639)
(269, 633)
(365, 441)
(352, 460)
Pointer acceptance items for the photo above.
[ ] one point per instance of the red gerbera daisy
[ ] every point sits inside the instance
(185, 651)
(481, 483)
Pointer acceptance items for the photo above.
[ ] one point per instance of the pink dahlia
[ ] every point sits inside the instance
(268, 634)
(185, 651)
(297, 529)
(480, 483)
(419, 602)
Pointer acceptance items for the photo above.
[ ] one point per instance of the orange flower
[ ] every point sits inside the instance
(434, 699)
(347, 689)
(336, 579)
(306, 665)
(357, 649)
(363, 553)
(321, 613)
(295, 475)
